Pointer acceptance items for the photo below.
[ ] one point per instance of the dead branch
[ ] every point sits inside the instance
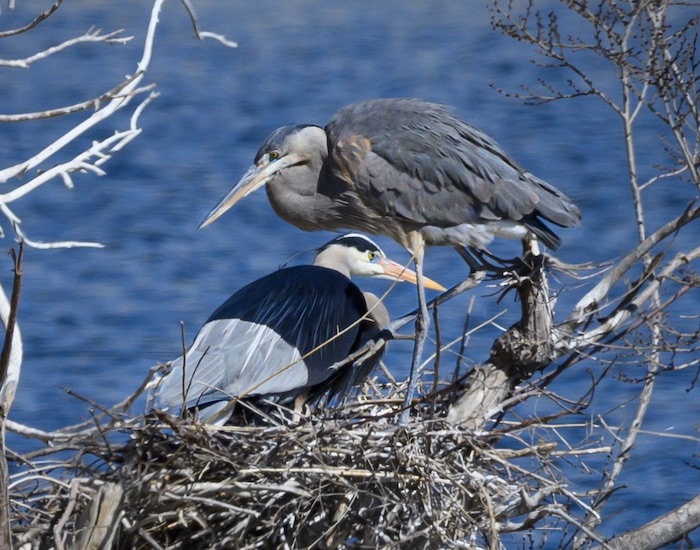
(93, 35)
(663, 531)
(592, 300)
(38, 19)
(93, 103)
(330, 478)
(515, 356)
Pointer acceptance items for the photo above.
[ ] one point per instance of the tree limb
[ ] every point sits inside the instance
(663, 531)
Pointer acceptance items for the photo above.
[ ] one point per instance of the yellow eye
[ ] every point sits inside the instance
(273, 155)
(371, 256)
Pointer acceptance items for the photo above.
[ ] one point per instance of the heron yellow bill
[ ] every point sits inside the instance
(256, 176)
(400, 272)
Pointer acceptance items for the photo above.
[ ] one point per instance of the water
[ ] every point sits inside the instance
(95, 321)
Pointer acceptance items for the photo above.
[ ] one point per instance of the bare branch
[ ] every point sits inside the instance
(595, 296)
(92, 35)
(614, 321)
(663, 531)
(41, 17)
(189, 8)
(70, 109)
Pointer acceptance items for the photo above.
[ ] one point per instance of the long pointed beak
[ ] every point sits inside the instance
(256, 176)
(395, 270)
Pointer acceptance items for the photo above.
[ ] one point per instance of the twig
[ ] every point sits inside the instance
(615, 321)
(596, 295)
(90, 36)
(189, 8)
(72, 501)
(41, 17)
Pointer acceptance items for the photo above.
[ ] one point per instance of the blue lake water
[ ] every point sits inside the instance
(95, 321)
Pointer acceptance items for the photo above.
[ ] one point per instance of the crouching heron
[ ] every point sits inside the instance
(407, 169)
(277, 338)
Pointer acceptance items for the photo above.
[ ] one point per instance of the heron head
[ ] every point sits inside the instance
(357, 254)
(286, 147)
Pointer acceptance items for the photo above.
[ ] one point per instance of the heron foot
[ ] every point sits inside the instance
(525, 267)
(495, 267)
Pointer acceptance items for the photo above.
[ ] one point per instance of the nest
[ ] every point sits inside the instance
(345, 478)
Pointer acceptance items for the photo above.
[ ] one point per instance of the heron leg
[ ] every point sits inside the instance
(422, 323)
(299, 402)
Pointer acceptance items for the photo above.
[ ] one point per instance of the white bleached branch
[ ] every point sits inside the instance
(92, 35)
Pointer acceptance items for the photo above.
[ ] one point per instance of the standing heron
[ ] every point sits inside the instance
(407, 169)
(277, 338)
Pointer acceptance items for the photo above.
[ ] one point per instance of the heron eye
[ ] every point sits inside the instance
(371, 256)
(273, 155)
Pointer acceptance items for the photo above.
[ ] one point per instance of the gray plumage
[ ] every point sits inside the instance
(398, 166)
(426, 167)
(410, 170)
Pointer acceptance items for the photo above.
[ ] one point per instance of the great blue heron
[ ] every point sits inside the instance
(277, 337)
(407, 169)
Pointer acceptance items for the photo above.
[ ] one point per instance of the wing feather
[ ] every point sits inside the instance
(457, 173)
(268, 338)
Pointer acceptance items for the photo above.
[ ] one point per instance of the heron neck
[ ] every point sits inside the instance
(377, 312)
(334, 258)
(310, 212)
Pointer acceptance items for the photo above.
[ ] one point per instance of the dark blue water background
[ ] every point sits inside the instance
(96, 320)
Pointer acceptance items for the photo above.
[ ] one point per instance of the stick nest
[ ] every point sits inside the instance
(348, 478)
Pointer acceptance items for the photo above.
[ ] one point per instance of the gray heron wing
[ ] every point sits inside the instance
(277, 334)
(227, 359)
(454, 172)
